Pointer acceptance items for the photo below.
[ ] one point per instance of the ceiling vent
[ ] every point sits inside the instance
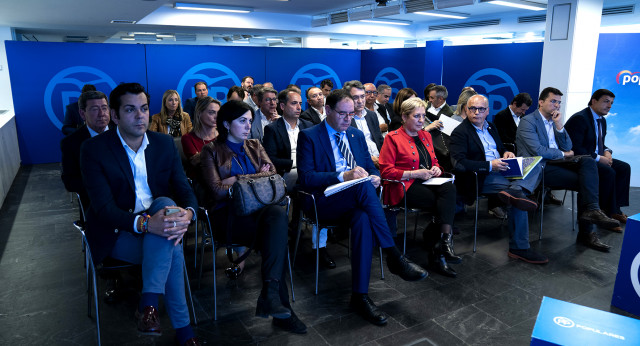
(185, 37)
(418, 5)
(76, 38)
(442, 4)
(387, 11)
(465, 25)
(618, 10)
(533, 19)
(340, 17)
(366, 14)
(319, 21)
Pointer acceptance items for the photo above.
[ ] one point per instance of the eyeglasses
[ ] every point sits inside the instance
(478, 109)
(268, 99)
(343, 115)
(371, 93)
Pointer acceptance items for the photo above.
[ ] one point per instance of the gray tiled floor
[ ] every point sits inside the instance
(494, 301)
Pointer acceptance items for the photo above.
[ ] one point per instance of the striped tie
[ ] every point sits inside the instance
(346, 153)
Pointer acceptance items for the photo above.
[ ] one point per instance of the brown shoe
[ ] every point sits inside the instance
(148, 321)
(592, 240)
(599, 218)
(517, 199)
(622, 217)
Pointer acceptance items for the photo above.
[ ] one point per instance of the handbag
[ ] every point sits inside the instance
(251, 194)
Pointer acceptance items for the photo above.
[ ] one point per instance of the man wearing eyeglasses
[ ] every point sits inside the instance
(333, 152)
(476, 147)
(266, 114)
(365, 120)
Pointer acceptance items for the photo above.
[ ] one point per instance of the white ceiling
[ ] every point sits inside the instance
(54, 20)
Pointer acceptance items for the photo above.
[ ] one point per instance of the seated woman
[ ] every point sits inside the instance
(232, 155)
(171, 119)
(204, 132)
(407, 154)
(461, 109)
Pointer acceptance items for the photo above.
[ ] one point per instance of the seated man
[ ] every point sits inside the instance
(72, 118)
(476, 147)
(588, 129)
(201, 90)
(508, 119)
(333, 152)
(542, 133)
(266, 114)
(315, 112)
(131, 175)
(438, 103)
(365, 120)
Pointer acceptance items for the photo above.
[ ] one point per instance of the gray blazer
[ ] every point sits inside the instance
(532, 139)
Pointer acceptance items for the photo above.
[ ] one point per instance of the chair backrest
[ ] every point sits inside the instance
(183, 157)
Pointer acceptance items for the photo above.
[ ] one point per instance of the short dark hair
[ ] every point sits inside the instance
(427, 89)
(352, 84)
(88, 87)
(236, 89)
(309, 89)
(283, 96)
(522, 98)
(382, 88)
(124, 88)
(441, 91)
(599, 93)
(200, 82)
(336, 97)
(548, 90)
(90, 95)
(245, 78)
(229, 112)
(402, 95)
(326, 82)
(263, 91)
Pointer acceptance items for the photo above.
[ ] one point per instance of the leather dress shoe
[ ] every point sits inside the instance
(148, 321)
(528, 256)
(192, 342)
(269, 301)
(599, 218)
(592, 240)
(622, 217)
(326, 260)
(291, 324)
(365, 307)
(438, 264)
(405, 268)
(552, 199)
(517, 199)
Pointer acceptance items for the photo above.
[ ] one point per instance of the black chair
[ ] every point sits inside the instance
(543, 194)
(183, 158)
(475, 221)
(402, 208)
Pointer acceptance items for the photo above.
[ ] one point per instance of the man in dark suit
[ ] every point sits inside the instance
(334, 152)
(202, 90)
(131, 176)
(72, 118)
(315, 112)
(365, 120)
(508, 119)
(438, 103)
(588, 129)
(542, 133)
(476, 147)
(383, 108)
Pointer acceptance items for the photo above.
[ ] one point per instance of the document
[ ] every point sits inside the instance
(444, 178)
(335, 188)
(449, 124)
(520, 167)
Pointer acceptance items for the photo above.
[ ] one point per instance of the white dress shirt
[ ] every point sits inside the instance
(293, 139)
(361, 122)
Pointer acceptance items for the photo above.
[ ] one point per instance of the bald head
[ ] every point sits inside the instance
(477, 109)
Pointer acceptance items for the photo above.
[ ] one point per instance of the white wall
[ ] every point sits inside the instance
(9, 150)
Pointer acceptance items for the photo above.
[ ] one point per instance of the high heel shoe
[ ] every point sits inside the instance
(446, 248)
(269, 301)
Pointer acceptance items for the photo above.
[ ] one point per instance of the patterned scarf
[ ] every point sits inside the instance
(173, 125)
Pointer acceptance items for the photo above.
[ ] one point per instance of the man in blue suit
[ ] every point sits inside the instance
(133, 178)
(542, 133)
(202, 90)
(333, 152)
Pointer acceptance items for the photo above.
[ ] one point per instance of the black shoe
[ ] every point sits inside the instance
(517, 199)
(552, 199)
(592, 240)
(445, 247)
(438, 264)
(528, 256)
(599, 218)
(326, 260)
(405, 268)
(365, 307)
(269, 301)
(291, 324)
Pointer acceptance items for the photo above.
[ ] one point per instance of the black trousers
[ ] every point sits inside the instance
(581, 176)
(614, 186)
(442, 198)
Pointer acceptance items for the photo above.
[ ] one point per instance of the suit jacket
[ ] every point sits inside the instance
(506, 126)
(71, 175)
(386, 111)
(190, 105)
(277, 145)
(72, 120)
(311, 115)
(467, 156)
(316, 164)
(257, 131)
(374, 127)
(108, 178)
(532, 138)
(582, 131)
(446, 110)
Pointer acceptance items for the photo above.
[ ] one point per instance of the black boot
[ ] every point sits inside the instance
(269, 301)
(446, 248)
(439, 264)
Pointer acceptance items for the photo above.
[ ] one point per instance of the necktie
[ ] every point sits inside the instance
(346, 153)
(600, 137)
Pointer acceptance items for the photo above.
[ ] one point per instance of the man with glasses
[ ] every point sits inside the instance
(365, 120)
(542, 133)
(266, 114)
(334, 152)
(476, 147)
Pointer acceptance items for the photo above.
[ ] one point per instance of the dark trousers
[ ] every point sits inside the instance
(614, 186)
(442, 198)
(581, 176)
(359, 205)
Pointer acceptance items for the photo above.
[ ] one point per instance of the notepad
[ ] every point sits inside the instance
(520, 167)
(335, 188)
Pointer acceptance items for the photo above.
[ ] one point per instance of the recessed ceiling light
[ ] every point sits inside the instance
(127, 38)
(445, 15)
(122, 21)
(386, 21)
(528, 6)
(214, 8)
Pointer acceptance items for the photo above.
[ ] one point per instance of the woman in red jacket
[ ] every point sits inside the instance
(407, 154)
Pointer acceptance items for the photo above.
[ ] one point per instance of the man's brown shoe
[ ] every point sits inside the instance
(148, 321)
(622, 217)
(599, 218)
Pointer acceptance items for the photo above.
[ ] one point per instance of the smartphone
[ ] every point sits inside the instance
(170, 211)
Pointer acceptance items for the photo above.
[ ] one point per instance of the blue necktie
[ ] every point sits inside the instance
(346, 153)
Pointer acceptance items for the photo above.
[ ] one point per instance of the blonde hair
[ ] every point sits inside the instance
(411, 104)
(164, 114)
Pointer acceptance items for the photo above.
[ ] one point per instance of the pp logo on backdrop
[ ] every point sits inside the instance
(218, 77)
(563, 322)
(65, 87)
(311, 75)
(628, 77)
(391, 77)
(633, 273)
(497, 85)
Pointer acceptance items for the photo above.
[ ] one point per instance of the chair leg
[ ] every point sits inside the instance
(202, 259)
(573, 211)
(541, 212)
(293, 293)
(475, 227)
(381, 266)
(295, 250)
(317, 230)
(215, 286)
(404, 245)
(195, 249)
(415, 227)
(95, 300)
(186, 281)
